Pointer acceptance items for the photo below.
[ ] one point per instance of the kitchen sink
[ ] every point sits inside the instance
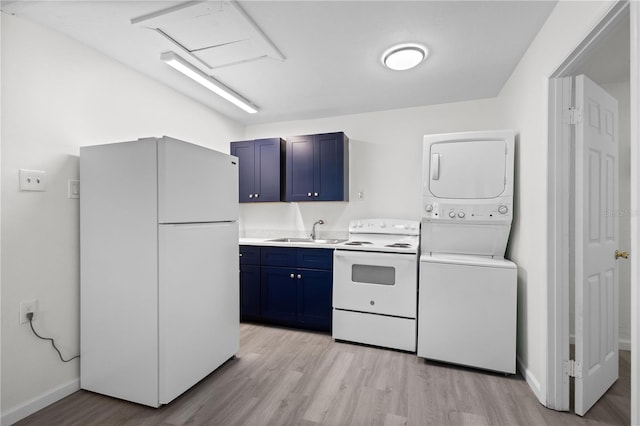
(304, 240)
(291, 240)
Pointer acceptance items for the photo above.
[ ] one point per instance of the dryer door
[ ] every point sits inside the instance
(467, 169)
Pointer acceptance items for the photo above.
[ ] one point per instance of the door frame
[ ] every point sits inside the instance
(558, 213)
(635, 207)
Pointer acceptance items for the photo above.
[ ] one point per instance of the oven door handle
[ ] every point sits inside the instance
(366, 256)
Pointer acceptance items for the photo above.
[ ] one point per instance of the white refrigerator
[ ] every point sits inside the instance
(159, 288)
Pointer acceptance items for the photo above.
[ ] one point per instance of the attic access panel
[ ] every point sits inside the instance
(215, 33)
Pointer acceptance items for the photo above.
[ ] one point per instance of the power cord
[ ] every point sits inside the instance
(30, 318)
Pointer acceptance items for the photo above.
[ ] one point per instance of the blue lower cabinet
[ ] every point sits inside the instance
(250, 292)
(291, 287)
(314, 299)
(249, 283)
(279, 294)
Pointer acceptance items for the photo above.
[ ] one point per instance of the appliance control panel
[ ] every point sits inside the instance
(467, 212)
(385, 226)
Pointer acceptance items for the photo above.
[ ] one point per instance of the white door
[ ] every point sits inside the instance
(596, 229)
(198, 305)
(195, 184)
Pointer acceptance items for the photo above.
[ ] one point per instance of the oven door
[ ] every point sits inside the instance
(374, 282)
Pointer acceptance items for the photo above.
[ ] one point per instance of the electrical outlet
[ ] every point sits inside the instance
(32, 180)
(27, 306)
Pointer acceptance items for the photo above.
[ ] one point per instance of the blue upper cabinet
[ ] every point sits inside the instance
(259, 169)
(317, 168)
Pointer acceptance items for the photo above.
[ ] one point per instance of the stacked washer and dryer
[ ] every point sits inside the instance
(467, 290)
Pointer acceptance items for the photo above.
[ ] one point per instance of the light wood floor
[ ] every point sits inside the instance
(289, 377)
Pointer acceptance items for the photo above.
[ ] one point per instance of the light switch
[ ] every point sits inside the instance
(74, 188)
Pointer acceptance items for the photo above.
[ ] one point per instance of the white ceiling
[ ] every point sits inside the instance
(331, 50)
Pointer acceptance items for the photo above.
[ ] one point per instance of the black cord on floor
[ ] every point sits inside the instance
(30, 318)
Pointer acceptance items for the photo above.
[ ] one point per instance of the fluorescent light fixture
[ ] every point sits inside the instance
(175, 61)
(404, 56)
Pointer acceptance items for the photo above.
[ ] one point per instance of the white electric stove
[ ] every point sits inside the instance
(375, 279)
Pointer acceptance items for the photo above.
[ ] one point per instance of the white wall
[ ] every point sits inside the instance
(524, 103)
(58, 95)
(385, 165)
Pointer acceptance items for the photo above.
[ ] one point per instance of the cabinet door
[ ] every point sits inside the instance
(245, 151)
(267, 169)
(249, 292)
(279, 293)
(314, 299)
(314, 258)
(317, 168)
(299, 168)
(249, 255)
(330, 171)
(279, 256)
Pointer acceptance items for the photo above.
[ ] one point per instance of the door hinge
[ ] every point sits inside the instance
(575, 115)
(573, 368)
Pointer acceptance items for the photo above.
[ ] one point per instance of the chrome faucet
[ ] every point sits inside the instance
(313, 229)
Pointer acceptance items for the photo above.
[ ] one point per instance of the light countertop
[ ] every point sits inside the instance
(253, 241)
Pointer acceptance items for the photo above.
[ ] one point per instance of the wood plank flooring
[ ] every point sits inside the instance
(290, 377)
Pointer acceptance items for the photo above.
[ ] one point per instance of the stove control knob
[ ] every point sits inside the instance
(460, 215)
(503, 209)
(428, 208)
(406, 226)
(383, 225)
(452, 214)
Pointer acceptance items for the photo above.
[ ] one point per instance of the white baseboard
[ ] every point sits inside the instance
(531, 380)
(16, 414)
(624, 344)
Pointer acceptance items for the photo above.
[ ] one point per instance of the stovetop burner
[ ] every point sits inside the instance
(357, 243)
(383, 236)
(402, 245)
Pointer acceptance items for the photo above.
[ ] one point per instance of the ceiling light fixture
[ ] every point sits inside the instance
(404, 56)
(178, 63)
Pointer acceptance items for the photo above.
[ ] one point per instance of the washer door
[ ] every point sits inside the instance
(468, 312)
(467, 169)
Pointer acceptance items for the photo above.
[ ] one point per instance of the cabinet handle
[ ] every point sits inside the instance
(315, 194)
(256, 195)
(250, 195)
(291, 276)
(299, 276)
(308, 194)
